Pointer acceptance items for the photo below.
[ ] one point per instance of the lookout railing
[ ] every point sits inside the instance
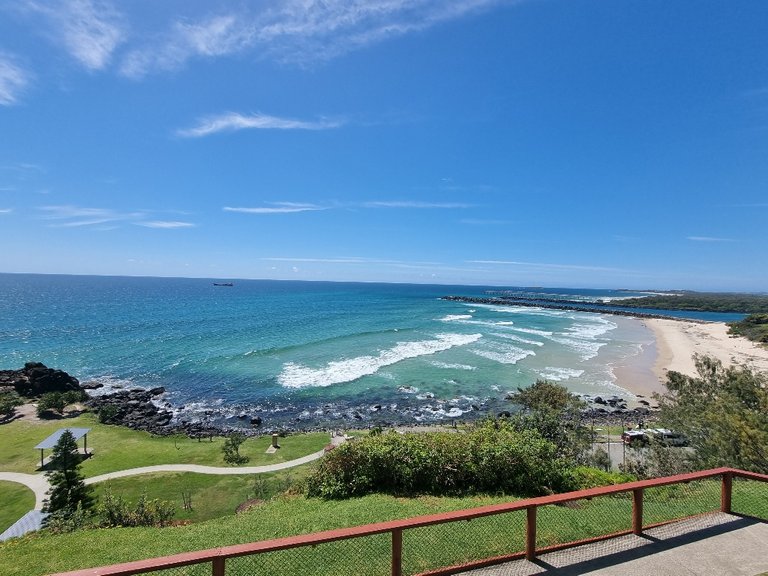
(451, 542)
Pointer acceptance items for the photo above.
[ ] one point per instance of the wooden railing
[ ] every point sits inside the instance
(217, 557)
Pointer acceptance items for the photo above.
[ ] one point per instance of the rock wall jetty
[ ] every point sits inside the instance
(599, 308)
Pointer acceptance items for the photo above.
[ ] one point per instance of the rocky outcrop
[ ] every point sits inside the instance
(133, 409)
(36, 379)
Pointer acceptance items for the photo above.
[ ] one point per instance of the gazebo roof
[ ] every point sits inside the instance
(50, 442)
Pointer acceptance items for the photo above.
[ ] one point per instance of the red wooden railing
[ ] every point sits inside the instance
(217, 557)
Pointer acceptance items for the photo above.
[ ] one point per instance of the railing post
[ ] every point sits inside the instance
(530, 533)
(726, 493)
(637, 511)
(218, 567)
(397, 552)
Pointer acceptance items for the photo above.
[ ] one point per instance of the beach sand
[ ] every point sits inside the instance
(676, 342)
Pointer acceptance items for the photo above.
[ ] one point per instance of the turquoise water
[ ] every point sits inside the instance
(308, 353)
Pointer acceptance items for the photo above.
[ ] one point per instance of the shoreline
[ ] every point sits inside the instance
(678, 341)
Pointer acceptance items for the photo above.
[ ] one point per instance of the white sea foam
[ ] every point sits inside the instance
(297, 376)
(448, 366)
(519, 339)
(503, 354)
(533, 331)
(558, 374)
(454, 317)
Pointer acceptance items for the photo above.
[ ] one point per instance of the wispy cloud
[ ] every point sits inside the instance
(6, 210)
(232, 121)
(547, 266)
(165, 224)
(414, 204)
(90, 30)
(709, 239)
(13, 80)
(296, 31)
(275, 208)
(68, 216)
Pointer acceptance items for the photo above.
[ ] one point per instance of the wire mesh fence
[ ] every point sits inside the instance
(366, 555)
(461, 542)
(583, 519)
(481, 535)
(750, 498)
(676, 501)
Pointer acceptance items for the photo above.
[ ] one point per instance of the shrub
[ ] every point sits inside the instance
(108, 413)
(585, 477)
(231, 449)
(9, 399)
(491, 458)
(50, 402)
(117, 512)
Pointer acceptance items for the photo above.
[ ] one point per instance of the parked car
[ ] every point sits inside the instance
(634, 437)
(668, 437)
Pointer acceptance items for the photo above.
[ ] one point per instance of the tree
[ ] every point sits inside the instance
(231, 449)
(9, 399)
(722, 411)
(51, 402)
(68, 491)
(556, 414)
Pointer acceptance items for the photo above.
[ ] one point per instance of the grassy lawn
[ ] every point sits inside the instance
(117, 448)
(424, 548)
(17, 500)
(211, 496)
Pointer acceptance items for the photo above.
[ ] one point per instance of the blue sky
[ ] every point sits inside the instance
(584, 143)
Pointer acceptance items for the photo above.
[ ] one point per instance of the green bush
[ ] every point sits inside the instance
(491, 458)
(9, 399)
(586, 477)
(50, 402)
(115, 511)
(231, 449)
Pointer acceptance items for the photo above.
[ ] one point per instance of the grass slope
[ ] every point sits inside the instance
(17, 500)
(117, 448)
(424, 548)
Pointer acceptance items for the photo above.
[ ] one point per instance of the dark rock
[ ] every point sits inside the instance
(157, 391)
(36, 379)
(92, 385)
(256, 421)
(599, 400)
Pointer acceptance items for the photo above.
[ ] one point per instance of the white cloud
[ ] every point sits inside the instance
(544, 266)
(90, 30)
(165, 224)
(6, 210)
(13, 80)
(296, 31)
(709, 239)
(277, 208)
(232, 121)
(414, 204)
(68, 216)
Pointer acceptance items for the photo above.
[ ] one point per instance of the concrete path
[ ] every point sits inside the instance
(38, 483)
(207, 469)
(720, 544)
(35, 482)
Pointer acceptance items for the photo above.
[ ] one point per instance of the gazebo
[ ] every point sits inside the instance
(51, 441)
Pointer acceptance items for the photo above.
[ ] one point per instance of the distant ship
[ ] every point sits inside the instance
(223, 284)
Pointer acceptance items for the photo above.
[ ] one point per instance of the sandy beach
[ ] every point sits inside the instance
(677, 342)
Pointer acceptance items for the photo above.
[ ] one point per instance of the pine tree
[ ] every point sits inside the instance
(68, 490)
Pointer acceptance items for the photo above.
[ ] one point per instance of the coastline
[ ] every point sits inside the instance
(678, 340)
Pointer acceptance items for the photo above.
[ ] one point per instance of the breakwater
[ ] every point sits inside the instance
(560, 305)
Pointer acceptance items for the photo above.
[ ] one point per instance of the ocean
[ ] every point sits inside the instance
(311, 354)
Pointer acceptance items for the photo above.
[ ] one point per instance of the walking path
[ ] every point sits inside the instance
(38, 483)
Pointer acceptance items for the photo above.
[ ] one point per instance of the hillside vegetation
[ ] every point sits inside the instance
(754, 327)
(702, 302)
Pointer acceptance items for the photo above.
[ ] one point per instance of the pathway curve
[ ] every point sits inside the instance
(38, 483)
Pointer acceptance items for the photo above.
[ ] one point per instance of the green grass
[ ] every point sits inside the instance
(17, 500)
(211, 496)
(424, 548)
(117, 448)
